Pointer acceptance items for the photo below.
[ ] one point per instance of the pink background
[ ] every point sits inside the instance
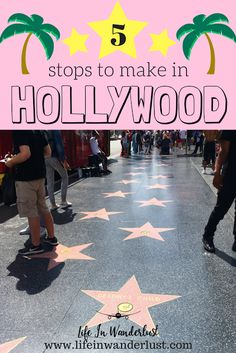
(77, 13)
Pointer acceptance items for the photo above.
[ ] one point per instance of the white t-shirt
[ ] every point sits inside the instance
(94, 145)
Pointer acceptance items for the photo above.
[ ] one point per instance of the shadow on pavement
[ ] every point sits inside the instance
(64, 217)
(227, 258)
(111, 160)
(7, 212)
(33, 274)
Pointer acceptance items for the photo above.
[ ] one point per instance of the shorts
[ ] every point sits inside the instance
(30, 198)
(209, 153)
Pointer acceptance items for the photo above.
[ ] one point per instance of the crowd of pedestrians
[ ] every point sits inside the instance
(142, 142)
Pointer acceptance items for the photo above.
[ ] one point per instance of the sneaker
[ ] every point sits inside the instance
(31, 250)
(26, 231)
(208, 245)
(65, 204)
(234, 245)
(204, 171)
(54, 207)
(109, 171)
(52, 241)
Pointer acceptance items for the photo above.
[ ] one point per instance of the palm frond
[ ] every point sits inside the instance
(37, 19)
(15, 29)
(189, 42)
(215, 17)
(20, 17)
(47, 43)
(223, 30)
(51, 29)
(184, 29)
(198, 20)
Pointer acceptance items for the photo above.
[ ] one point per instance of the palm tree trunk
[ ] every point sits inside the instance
(211, 70)
(23, 56)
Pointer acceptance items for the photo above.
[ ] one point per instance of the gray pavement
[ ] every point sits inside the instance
(144, 263)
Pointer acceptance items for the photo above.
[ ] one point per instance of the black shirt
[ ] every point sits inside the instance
(34, 168)
(229, 168)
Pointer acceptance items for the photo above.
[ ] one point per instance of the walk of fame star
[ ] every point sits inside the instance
(101, 214)
(153, 202)
(61, 253)
(126, 182)
(10, 345)
(161, 177)
(116, 194)
(147, 230)
(130, 293)
(134, 174)
(158, 186)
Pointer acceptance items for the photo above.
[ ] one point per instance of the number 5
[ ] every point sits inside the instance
(122, 36)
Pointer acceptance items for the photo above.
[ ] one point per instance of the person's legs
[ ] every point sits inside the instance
(50, 180)
(234, 230)
(27, 198)
(46, 215)
(225, 199)
(213, 155)
(104, 161)
(64, 178)
(195, 149)
(48, 220)
(205, 161)
(34, 225)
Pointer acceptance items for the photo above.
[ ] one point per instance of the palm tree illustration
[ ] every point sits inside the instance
(204, 25)
(32, 25)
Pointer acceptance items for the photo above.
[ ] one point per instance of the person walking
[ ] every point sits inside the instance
(57, 162)
(209, 150)
(224, 181)
(134, 142)
(197, 140)
(30, 148)
(165, 145)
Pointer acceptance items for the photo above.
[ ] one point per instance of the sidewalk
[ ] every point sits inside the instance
(130, 245)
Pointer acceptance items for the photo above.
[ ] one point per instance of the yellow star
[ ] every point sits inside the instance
(161, 42)
(117, 33)
(76, 42)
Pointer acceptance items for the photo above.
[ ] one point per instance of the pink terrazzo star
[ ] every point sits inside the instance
(61, 253)
(153, 202)
(126, 182)
(158, 186)
(9, 346)
(131, 294)
(147, 231)
(116, 194)
(134, 174)
(160, 177)
(101, 214)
